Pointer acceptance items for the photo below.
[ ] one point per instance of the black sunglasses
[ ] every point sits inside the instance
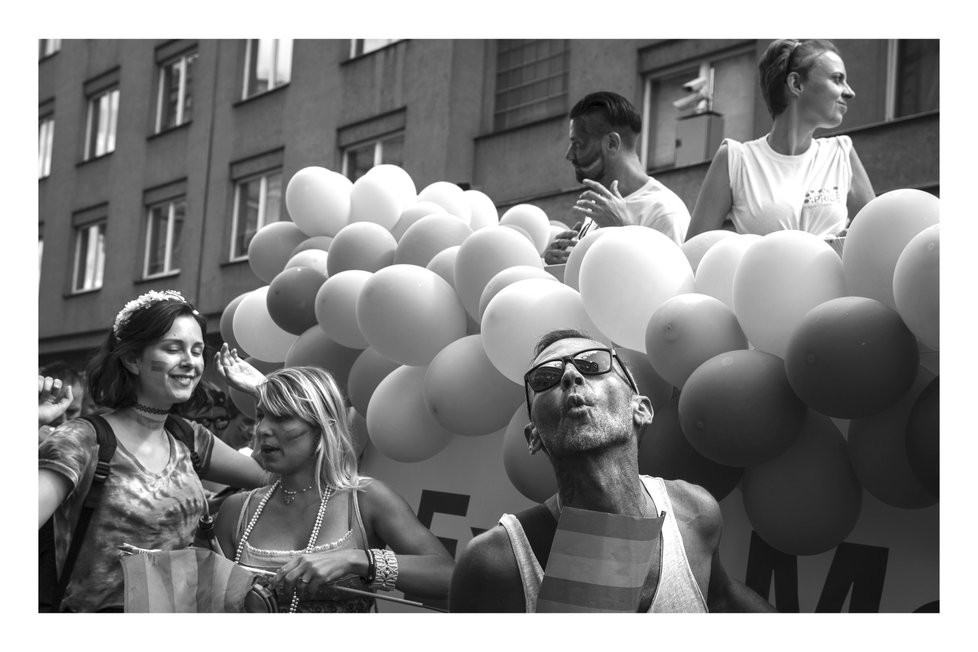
(590, 362)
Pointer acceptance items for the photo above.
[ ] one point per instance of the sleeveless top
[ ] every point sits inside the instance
(805, 192)
(677, 591)
(328, 600)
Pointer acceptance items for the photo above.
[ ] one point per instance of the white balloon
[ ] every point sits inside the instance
(256, 332)
(521, 313)
(318, 200)
(450, 197)
(626, 275)
(533, 220)
(715, 272)
(484, 212)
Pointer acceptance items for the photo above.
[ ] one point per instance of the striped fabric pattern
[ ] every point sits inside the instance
(598, 562)
(192, 580)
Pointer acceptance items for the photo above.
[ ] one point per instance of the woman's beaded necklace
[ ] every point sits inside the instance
(291, 495)
(312, 538)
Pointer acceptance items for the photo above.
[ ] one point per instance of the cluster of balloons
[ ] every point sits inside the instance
(772, 363)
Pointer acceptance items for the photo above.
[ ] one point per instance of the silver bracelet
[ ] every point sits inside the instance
(385, 564)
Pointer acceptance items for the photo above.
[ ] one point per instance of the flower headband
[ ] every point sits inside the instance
(144, 301)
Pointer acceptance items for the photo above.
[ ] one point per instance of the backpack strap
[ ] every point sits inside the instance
(181, 429)
(103, 468)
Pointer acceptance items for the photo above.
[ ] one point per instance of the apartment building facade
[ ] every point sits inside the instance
(159, 159)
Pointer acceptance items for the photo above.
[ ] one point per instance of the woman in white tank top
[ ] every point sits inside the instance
(788, 179)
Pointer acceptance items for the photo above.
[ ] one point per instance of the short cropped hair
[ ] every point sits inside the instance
(555, 336)
(781, 58)
(606, 111)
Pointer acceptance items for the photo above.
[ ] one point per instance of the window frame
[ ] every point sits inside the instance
(273, 83)
(262, 177)
(185, 59)
(45, 145)
(359, 48)
(40, 252)
(97, 265)
(378, 145)
(497, 114)
(48, 47)
(170, 267)
(702, 65)
(112, 122)
(893, 83)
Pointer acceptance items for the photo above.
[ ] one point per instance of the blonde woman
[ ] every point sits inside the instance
(320, 522)
(788, 179)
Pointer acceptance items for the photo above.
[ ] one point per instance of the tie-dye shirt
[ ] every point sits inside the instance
(148, 510)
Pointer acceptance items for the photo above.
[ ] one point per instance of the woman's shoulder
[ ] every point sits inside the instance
(70, 434)
(840, 142)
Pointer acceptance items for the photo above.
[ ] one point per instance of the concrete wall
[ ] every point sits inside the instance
(442, 90)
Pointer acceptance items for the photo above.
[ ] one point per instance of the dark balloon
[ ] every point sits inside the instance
(924, 437)
(664, 452)
(851, 358)
(738, 409)
(807, 500)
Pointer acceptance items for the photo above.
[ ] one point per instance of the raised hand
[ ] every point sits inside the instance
(53, 398)
(239, 374)
(605, 206)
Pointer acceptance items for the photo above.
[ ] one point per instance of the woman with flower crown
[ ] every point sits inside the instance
(149, 366)
(321, 530)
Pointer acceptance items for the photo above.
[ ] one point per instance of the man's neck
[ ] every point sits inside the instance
(604, 481)
(629, 173)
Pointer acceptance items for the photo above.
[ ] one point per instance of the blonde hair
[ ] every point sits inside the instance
(311, 394)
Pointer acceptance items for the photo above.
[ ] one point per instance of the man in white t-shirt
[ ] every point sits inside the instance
(604, 132)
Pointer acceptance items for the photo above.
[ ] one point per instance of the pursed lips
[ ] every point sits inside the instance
(574, 403)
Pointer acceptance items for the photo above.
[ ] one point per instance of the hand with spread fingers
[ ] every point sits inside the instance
(605, 206)
(240, 374)
(560, 247)
(53, 399)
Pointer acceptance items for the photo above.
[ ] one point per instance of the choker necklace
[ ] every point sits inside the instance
(290, 495)
(150, 410)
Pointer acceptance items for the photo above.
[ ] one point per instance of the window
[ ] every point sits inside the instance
(734, 85)
(174, 104)
(268, 65)
(48, 46)
(89, 257)
(361, 46)
(103, 112)
(915, 80)
(257, 200)
(164, 224)
(45, 142)
(531, 81)
(357, 159)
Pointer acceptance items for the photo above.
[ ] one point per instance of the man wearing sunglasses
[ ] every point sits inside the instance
(586, 414)
(604, 133)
